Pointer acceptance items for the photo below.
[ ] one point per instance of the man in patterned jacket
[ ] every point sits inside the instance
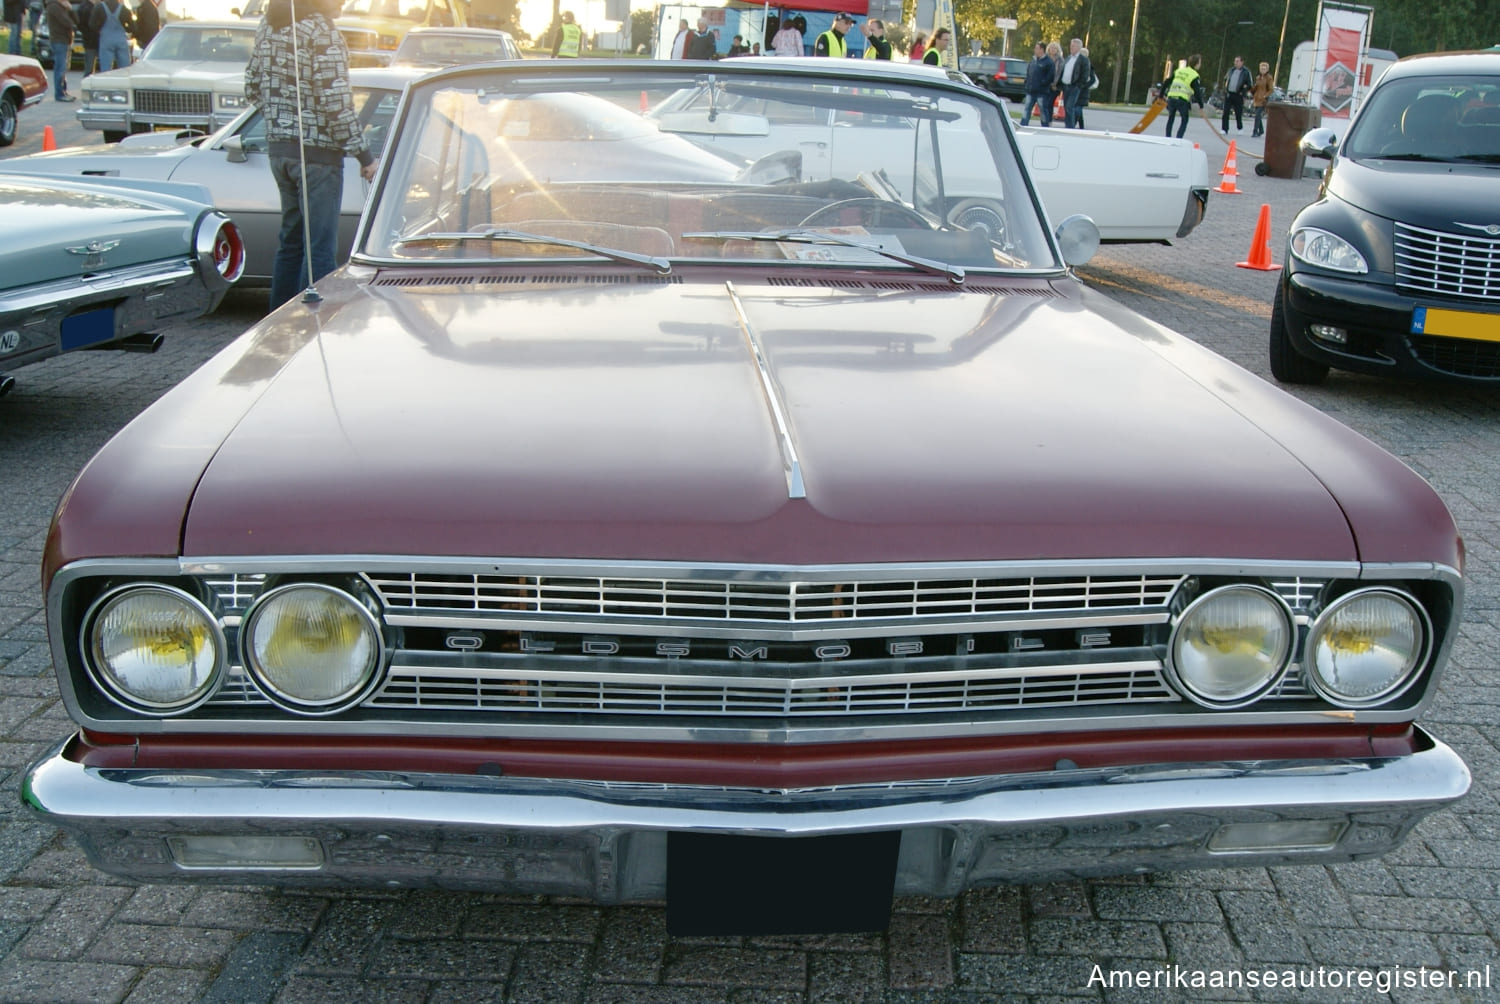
(330, 131)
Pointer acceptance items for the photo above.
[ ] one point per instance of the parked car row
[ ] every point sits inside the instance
(665, 506)
(23, 84)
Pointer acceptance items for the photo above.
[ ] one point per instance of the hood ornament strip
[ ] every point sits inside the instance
(794, 487)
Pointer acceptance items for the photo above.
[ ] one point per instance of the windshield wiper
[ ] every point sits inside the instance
(662, 265)
(1427, 157)
(1482, 158)
(954, 273)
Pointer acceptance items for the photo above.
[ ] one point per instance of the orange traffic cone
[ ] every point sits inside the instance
(1059, 111)
(645, 103)
(1227, 176)
(49, 141)
(1260, 243)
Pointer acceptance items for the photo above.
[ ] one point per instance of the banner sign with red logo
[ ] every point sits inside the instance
(1343, 35)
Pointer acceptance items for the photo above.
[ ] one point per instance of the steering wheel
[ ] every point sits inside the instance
(871, 211)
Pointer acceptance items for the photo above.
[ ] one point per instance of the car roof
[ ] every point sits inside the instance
(872, 68)
(1436, 63)
(390, 78)
(430, 30)
(234, 24)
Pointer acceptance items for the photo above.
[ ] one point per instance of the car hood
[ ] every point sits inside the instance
(1425, 195)
(632, 421)
(179, 75)
(51, 228)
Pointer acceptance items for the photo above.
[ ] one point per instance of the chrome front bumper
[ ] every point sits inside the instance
(608, 841)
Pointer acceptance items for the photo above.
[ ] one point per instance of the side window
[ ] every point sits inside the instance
(253, 134)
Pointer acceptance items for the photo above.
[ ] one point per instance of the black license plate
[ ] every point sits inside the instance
(726, 884)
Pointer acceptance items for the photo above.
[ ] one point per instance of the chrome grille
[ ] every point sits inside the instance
(157, 102)
(639, 598)
(1447, 264)
(872, 694)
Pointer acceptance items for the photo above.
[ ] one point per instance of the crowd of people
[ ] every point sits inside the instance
(1050, 75)
(108, 29)
(788, 36)
(1185, 87)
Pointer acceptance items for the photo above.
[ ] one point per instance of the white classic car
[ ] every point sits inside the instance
(192, 75)
(1135, 188)
(232, 165)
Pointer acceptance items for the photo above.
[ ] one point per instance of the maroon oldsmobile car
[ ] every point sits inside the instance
(631, 522)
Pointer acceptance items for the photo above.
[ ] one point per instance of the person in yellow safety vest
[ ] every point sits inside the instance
(569, 41)
(877, 46)
(1184, 88)
(939, 45)
(831, 42)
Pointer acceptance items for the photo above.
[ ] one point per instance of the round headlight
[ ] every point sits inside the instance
(154, 648)
(1231, 645)
(312, 648)
(1366, 647)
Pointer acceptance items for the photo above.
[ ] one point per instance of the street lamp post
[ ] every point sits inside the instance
(1219, 66)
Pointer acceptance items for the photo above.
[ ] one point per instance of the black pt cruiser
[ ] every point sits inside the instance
(1395, 270)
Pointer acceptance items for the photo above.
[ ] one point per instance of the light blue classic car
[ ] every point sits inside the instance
(104, 263)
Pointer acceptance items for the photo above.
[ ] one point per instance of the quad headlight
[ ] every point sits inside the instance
(1231, 645)
(154, 648)
(1366, 647)
(233, 102)
(312, 648)
(103, 97)
(1327, 250)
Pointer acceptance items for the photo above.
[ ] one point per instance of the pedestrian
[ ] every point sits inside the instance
(1182, 90)
(60, 27)
(788, 40)
(702, 44)
(1055, 53)
(112, 20)
(877, 46)
(1088, 88)
(90, 35)
(147, 22)
(755, 48)
(933, 54)
(918, 47)
(737, 47)
(1077, 74)
(15, 15)
(831, 43)
(1260, 93)
(568, 42)
(1237, 85)
(679, 44)
(1038, 86)
(298, 76)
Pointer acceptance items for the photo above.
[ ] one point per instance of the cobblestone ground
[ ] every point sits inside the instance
(70, 933)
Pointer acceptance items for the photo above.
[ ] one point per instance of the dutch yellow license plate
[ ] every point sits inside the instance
(1455, 324)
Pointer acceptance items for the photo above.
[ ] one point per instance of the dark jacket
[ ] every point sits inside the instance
(1083, 72)
(1039, 76)
(60, 22)
(700, 46)
(271, 84)
(147, 22)
(1241, 85)
(86, 30)
(15, 10)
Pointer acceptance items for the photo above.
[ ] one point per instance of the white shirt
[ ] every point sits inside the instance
(679, 44)
(1068, 65)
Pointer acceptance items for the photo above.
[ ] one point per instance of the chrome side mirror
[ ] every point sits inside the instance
(234, 150)
(1319, 143)
(1078, 239)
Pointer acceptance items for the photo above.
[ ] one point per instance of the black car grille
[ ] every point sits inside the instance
(1447, 264)
(1459, 356)
(177, 103)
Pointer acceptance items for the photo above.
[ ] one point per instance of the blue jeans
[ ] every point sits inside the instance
(325, 195)
(1043, 105)
(1072, 117)
(1175, 107)
(62, 55)
(114, 55)
(15, 37)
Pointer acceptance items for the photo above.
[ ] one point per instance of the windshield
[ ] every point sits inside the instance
(188, 43)
(1446, 119)
(682, 164)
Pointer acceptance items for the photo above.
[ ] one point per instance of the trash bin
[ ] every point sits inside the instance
(1285, 124)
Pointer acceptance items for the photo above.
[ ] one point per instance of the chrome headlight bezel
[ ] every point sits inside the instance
(1402, 682)
(1246, 696)
(1319, 248)
(119, 695)
(106, 96)
(232, 102)
(350, 697)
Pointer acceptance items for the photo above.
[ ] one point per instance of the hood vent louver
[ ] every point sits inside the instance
(893, 286)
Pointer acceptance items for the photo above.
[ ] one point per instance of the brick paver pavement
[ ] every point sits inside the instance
(70, 933)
